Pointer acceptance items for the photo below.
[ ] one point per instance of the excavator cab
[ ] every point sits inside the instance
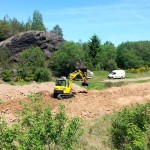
(61, 82)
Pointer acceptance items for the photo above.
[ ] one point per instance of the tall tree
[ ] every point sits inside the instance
(106, 57)
(37, 22)
(5, 30)
(94, 48)
(28, 25)
(94, 45)
(16, 26)
(56, 29)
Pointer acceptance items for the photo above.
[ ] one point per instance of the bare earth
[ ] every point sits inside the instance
(85, 105)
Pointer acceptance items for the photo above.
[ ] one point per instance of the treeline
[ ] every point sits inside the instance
(98, 56)
(133, 54)
(93, 54)
(12, 26)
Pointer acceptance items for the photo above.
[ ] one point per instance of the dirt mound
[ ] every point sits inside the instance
(10, 92)
(85, 105)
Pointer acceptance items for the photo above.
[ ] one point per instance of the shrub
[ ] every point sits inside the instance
(7, 75)
(4, 58)
(29, 61)
(139, 70)
(129, 128)
(38, 128)
(42, 74)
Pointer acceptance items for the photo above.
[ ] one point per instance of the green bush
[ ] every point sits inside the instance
(4, 58)
(40, 129)
(139, 70)
(42, 74)
(64, 60)
(129, 128)
(28, 61)
(7, 75)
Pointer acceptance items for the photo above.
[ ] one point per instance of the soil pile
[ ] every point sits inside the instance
(85, 105)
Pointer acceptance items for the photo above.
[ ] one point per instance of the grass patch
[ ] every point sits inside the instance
(99, 76)
(138, 75)
(142, 81)
(96, 83)
(98, 136)
(114, 84)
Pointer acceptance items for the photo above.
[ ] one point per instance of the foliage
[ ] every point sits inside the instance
(7, 75)
(37, 21)
(7, 135)
(11, 26)
(41, 129)
(106, 57)
(28, 61)
(94, 47)
(111, 65)
(133, 54)
(96, 135)
(139, 70)
(4, 58)
(64, 60)
(42, 74)
(129, 128)
(87, 58)
(56, 29)
(16, 26)
(5, 31)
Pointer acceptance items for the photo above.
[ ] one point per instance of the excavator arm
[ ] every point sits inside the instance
(81, 74)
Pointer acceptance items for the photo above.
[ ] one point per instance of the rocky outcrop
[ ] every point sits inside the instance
(48, 42)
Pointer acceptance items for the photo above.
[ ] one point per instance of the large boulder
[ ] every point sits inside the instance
(48, 42)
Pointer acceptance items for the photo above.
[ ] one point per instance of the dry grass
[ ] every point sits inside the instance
(97, 134)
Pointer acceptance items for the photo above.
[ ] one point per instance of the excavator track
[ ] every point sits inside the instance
(61, 96)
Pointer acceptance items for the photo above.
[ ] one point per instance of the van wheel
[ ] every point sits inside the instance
(122, 77)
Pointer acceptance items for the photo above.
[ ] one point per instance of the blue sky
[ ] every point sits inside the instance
(116, 20)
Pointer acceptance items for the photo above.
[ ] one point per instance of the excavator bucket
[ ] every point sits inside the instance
(85, 83)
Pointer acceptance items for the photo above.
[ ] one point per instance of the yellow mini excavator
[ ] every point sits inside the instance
(63, 88)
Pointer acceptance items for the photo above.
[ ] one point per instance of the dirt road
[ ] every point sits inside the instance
(85, 105)
(127, 79)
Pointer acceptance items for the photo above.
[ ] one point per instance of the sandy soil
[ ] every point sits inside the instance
(85, 105)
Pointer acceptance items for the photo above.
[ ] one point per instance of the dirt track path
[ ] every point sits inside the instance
(85, 105)
(127, 79)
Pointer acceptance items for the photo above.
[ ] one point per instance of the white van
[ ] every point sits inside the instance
(117, 74)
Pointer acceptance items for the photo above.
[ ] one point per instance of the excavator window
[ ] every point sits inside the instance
(60, 82)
